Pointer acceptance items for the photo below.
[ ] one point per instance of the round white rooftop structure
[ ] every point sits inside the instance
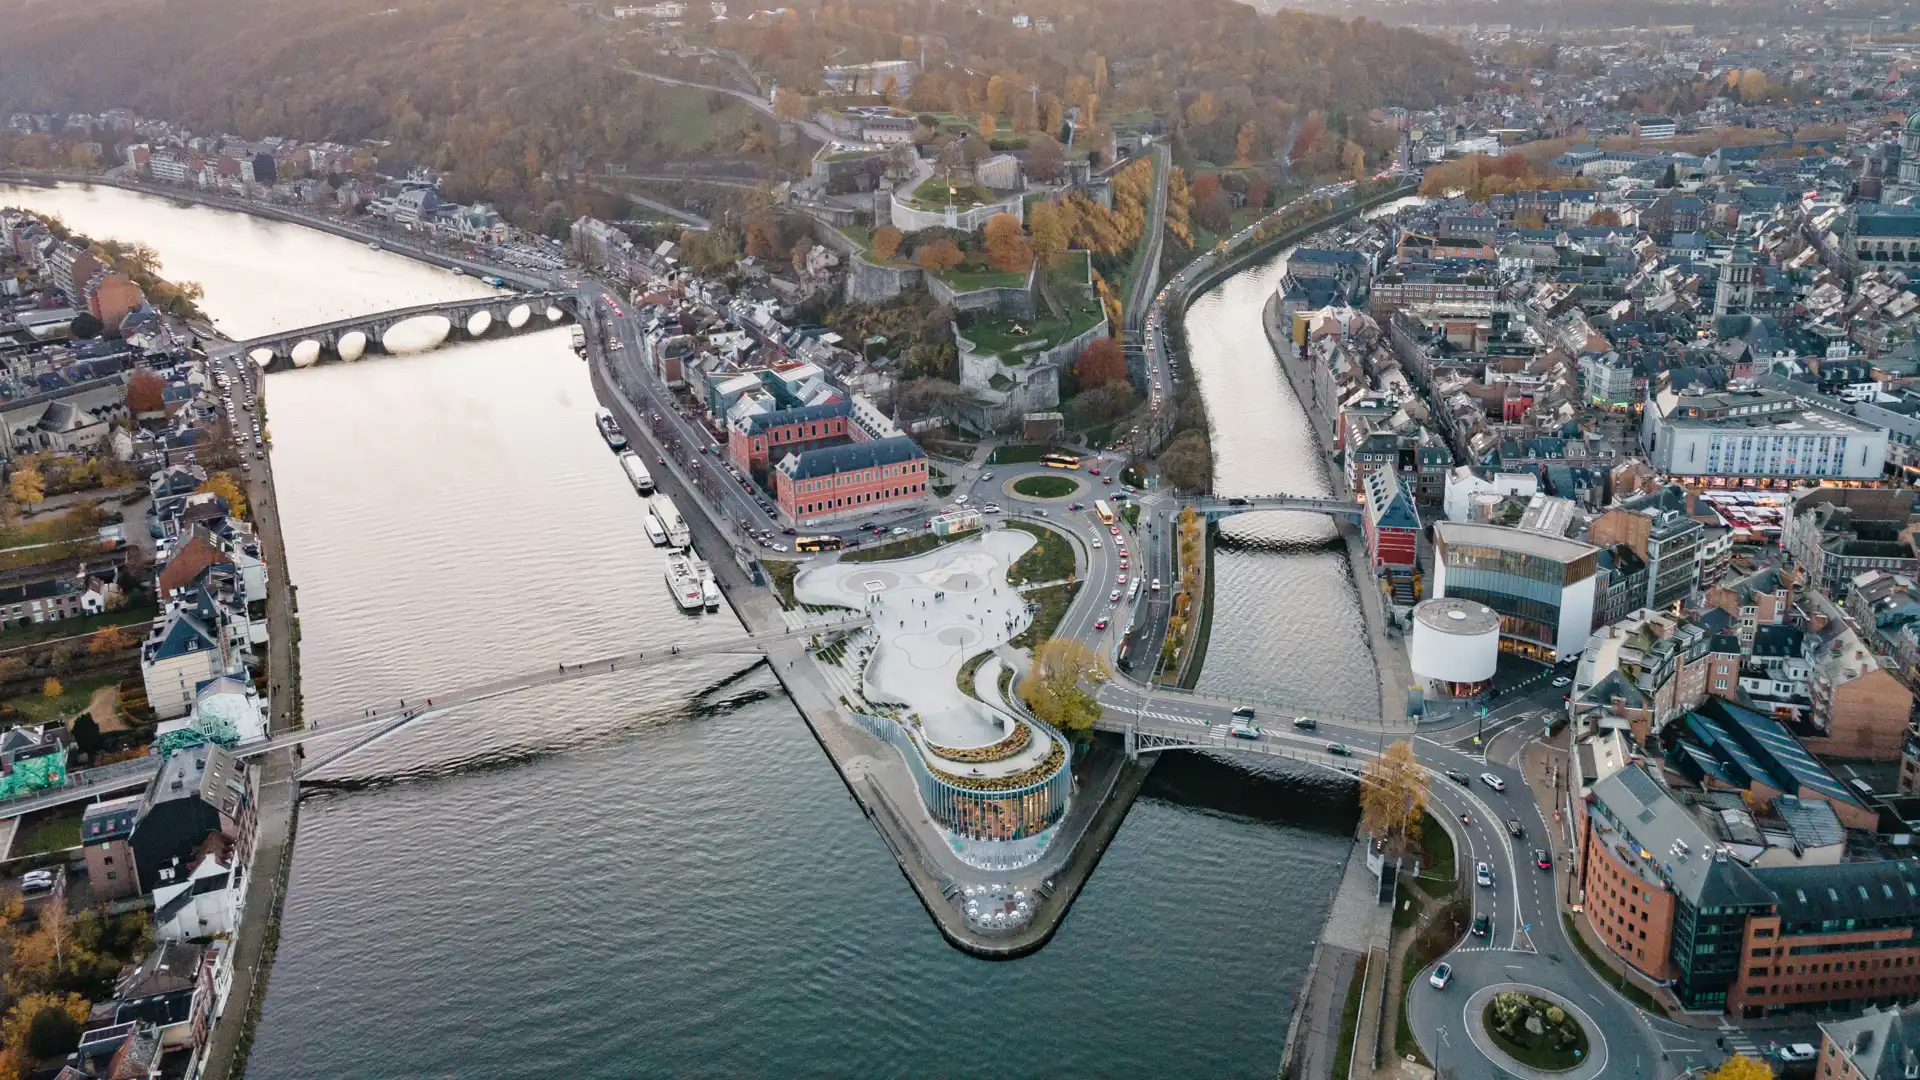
(1455, 640)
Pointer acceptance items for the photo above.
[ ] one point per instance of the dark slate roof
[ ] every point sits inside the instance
(1777, 641)
(1849, 890)
(805, 414)
(109, 820)
(1888, 221)
(833, 460)
(1764, 750)
(1881, 1044)
(184, 634)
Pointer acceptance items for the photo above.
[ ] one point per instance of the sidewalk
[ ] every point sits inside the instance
(1358, 927)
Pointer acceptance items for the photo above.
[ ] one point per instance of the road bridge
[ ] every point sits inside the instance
(1150, 737)
(498, 315)
(1213, 509)
(87, 785)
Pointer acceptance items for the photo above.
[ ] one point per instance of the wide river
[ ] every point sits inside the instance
(660, 874)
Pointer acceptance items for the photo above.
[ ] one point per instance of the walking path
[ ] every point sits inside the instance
(1357, 929)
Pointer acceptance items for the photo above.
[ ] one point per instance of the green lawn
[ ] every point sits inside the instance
(1627, 987)
(47, 631)
(1054, 601)
(1436, 850)
(1132, 514)
(1537, 1052)
(939, 192)
(51, 834)
(999, 335)
(963, 281)
(901, 549)
(73, 697)
(1046, 487)
(1051, 559)
(688, 123)
(781, 575)
(1018, 453)
(1349, 1021)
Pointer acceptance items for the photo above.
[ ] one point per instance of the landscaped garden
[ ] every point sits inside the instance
(1045, 487)
(1049, 559)
(1534, 1031)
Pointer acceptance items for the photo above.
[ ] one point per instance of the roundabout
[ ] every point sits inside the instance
(1512, 1024)
(1044, 487)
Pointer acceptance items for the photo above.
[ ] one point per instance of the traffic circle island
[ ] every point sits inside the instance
(1533, 1033)
(1046, 487)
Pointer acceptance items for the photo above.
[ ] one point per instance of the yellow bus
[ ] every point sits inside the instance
(1060, 461)
(1104, 511)
(818, 543)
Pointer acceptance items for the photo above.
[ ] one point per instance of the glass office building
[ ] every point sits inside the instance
(1541, 585)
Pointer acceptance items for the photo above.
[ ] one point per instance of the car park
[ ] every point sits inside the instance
(1493, 781)
(1483, 875)
(1442, 975)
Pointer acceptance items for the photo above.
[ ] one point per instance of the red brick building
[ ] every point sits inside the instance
(754, 442)
(853, 479)
(1391, 523)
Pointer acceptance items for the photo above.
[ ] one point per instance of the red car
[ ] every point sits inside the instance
(1095, 470)
(1101, 625)
(1106, 479)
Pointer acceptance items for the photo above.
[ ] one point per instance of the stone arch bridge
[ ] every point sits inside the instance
(486, 317)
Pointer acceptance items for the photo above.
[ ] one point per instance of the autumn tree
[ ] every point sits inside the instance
(1741, 1067)
(144, 392)
(886, 241)
(1102, 362)
(111, 640)
(51, 688)
(1049, 230)
(224, 485)
(940, 254)
(1393, 794)
(788, 105)
(1187, 462)
(1604, 219)
(988, 125)
(1353, 161)
(28, 485)
(763, 237)
(45, 1025)
(1052, 686)
(1006, 243)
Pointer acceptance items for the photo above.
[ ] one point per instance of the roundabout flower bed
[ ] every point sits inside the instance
(1534, 1031)
(1045, 487)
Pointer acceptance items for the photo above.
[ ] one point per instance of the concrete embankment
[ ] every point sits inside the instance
(874, 775)
(1352, 945)
(525, 279)
(1389, 652)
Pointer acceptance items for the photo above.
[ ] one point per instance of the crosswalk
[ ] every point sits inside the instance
(1738, 1041)
(1149, 714)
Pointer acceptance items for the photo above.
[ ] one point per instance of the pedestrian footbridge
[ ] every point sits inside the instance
(359, 731)
(1213, 509)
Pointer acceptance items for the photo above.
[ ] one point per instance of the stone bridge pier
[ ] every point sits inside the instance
(433, 325)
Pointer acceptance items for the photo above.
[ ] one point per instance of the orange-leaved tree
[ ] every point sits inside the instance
(1007, 247)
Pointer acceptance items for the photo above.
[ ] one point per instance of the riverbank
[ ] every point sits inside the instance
(1390, 661)
(272, 212)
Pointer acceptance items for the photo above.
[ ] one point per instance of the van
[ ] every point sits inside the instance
(1134, 593)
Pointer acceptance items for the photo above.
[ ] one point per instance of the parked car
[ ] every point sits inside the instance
(1483, 875)
(1442, 975)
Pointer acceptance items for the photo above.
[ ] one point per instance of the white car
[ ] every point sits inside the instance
(1483, 875)
(1493, 781)
(1562, 681)
(899, 530)
(1114, 597)
(960, 500)
(1441, 976)
(991, 508)
(1096, 543)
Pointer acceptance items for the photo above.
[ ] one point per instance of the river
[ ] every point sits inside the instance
(655, 874)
